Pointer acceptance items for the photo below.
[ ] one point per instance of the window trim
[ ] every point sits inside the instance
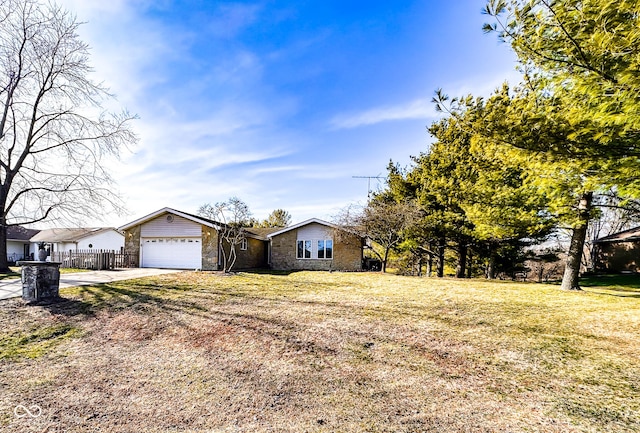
(244, 244)
(314, 249)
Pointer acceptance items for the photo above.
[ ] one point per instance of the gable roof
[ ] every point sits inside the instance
(18, 233)
(251, 232)
(630, 235)
(304, 223)
(164, 210)
(69, 235)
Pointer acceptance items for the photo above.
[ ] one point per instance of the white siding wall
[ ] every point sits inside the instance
(179, 227)
(64, 246)
(15, 249)
(314, 231)
(34, 249)
(108, 240)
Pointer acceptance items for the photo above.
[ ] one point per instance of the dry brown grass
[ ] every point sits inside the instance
(321, 352)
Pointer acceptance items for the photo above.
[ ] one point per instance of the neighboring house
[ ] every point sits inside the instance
(619, 252)
(169, 238)
(315, 245)
(19, 246)
(80, 239)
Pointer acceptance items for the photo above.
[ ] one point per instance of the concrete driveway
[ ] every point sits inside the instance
(13, 288)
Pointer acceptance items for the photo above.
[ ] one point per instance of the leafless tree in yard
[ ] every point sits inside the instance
(54, 133)
(381, 221)
(233, 216)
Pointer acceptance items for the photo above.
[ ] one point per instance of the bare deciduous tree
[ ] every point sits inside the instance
(233, 216)
(54, 133)
(381, 221)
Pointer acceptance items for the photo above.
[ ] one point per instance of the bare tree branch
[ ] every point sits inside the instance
(54, 134)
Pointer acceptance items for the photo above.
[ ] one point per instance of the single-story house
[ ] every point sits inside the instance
(169, 238)
(19, 245)
(619, 252)
(80, 239)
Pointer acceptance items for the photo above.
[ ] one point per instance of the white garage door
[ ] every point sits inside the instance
(176, 253)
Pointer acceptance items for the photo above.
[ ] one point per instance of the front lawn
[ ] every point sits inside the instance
(322, 352)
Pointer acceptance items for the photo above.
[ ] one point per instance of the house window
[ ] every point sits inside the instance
(244, 244)
(325, 249)
(304, 250)
(316, 249)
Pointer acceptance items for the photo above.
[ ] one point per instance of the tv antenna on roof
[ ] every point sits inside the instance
(369, 183)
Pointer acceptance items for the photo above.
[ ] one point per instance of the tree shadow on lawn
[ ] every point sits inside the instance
(627, 286)
(12, 274)
(89, 300)
(110, 297)
(163, 308)
(266, 271)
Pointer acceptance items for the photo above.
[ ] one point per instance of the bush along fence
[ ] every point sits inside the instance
(93, 259)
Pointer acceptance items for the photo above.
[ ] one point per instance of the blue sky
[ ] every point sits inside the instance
(280, 103)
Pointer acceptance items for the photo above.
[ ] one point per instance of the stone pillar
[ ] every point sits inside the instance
(40, 281)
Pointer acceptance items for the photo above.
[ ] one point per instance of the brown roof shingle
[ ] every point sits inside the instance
(18, 233)
(623, 236)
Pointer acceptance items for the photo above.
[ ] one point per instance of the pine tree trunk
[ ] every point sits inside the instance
(441, 247)
(571, 277)
(429, 265)
(469, 266)
(491, 268)
(462, 260)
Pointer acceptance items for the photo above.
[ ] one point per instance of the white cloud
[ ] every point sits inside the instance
(278, 169)
(418, 109)
(421, 108)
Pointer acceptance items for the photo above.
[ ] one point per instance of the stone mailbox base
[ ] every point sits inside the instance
(40, 281)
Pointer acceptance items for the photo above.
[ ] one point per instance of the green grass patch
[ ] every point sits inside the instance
(73, 270)
(36, 342)
(618, 285)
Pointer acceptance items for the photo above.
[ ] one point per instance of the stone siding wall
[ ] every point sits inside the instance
(132, 244)
(347, 254)
(253, 257)
(209, 249)
(283, 251)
